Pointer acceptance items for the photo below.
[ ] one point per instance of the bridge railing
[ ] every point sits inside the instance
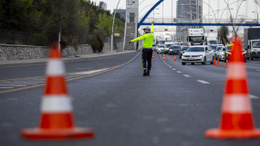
(213, 20)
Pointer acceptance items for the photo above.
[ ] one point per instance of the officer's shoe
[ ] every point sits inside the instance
(148, 73)
(145, 72)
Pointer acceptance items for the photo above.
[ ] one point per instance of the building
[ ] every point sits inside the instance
(121, 12)
(103, 5)
(132, 12)
(188, 11)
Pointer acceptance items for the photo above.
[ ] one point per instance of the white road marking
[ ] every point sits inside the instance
(6, 87)
(89, 72)
(253, 96)
(12, 85)
(170, 66)
(203, 82)
(173, 69)
(178, 72)
(185, 75)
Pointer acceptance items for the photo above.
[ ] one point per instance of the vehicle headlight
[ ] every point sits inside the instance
(222, 53)
(200, 56)
(170, 49)
(253, 50)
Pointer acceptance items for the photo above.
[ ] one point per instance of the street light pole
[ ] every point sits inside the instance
(112, 35)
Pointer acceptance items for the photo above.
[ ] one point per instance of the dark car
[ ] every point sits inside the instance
(174, 50)
(183, 49)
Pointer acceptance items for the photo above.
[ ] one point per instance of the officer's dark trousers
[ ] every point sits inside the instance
(147, 58)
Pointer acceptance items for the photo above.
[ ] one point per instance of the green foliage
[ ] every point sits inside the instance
(43, 20)
(97, 44)
(223, 33)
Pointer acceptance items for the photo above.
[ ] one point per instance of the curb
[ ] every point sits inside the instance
(66, 59)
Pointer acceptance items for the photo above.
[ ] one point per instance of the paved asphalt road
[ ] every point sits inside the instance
(172, 107)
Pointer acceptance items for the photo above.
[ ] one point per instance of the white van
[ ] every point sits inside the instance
(211, 40)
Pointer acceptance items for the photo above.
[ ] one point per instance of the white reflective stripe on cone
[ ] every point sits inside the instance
(237, 103)
(236, 70)
(55, 67)
(56, 104)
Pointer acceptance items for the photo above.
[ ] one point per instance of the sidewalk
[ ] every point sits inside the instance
(65, 59)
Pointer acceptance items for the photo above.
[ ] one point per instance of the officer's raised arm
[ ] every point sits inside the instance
(152, 28)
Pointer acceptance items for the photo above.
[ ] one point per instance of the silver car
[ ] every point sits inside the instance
(198, 54)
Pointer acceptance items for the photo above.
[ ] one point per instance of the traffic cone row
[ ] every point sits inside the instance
(56, 110)
(214, 62)
(237, 115)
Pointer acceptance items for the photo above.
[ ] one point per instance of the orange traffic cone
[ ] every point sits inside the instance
(174, 58)
(218, 62)
(153, 56)
(214, 61)
(237, 116)
(226, 63)
(56, 109)
(163, 56)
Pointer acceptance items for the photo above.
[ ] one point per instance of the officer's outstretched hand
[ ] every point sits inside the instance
(153, 22)
(129, 42)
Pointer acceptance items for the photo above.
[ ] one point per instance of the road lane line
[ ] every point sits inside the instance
(178, 72)
(88, 75)
(6, 87)
(173, 69)
(185, 75)
(253, 97)
(12, 85)
(89, 72)
(39, 85)
(203, 82)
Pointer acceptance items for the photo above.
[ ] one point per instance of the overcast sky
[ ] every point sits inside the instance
(215, 4)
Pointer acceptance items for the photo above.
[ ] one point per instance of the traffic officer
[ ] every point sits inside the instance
(147, 50)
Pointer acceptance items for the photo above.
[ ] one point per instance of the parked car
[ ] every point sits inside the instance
(183, 49)
(198, 54)
(174, 50)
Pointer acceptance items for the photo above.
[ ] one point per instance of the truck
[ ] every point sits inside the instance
(193, 36)
(252, 43)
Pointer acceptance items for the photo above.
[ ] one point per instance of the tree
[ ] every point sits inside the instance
(222, 34)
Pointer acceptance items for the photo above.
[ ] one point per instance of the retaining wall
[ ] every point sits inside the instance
(21, 52)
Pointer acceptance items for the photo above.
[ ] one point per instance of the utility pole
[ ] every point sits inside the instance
(112, 35)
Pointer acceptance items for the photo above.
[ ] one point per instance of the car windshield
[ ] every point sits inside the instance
(195, 49)
(213, 42)
(256, 44)
(219, 48)
(229, 48)
(196, 39)
(161, 42)
(214, 47)
(185, 48)
(161, 45)
(175, 47)
(168, 45)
